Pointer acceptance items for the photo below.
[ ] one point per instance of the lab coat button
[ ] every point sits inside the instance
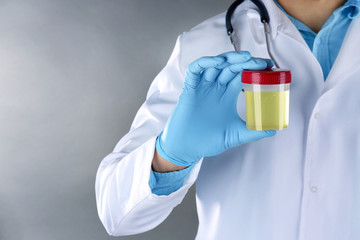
(317, 115)
(314, 189)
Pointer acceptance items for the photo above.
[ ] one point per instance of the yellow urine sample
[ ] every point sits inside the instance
(267, 110)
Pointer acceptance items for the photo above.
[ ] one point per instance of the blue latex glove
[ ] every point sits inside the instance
(205, 121)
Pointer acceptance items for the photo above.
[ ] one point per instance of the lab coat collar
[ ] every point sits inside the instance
(277, 18)
(279, 22)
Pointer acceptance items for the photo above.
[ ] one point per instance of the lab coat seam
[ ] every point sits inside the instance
(127, 214)
(152, 197)
(112, 175)
(148, 195)
(147, 185)
(179, 62)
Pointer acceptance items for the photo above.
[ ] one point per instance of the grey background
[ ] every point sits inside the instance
(73, 74)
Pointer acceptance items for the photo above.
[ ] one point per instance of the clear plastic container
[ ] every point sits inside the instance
(267, 96)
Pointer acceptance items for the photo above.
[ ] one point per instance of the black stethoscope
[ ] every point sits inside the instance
(265, 19)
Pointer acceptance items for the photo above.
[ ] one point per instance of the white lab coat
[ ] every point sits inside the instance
(303, 183)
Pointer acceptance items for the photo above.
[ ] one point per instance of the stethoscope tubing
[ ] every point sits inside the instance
(264, 17)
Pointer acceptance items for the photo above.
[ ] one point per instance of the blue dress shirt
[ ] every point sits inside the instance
(325, 46)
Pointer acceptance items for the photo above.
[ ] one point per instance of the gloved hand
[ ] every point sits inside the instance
(205, 121)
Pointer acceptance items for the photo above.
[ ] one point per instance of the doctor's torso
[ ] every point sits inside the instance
(303, 183)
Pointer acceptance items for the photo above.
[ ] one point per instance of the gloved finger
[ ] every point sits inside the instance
(196, 68)
(242, 135)
(233, 88)
(269, 62)
(228, 73)
(236, 57)
(209, 75)
(223, 65)
(235, 85)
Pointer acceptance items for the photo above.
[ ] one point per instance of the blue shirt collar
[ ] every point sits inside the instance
(350, 8)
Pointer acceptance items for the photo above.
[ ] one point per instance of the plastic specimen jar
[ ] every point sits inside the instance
(267, 98)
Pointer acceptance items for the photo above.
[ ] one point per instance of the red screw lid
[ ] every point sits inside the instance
(266, 77)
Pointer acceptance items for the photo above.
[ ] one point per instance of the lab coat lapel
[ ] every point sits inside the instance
(252, 12)
(348, 59)
(279, 23)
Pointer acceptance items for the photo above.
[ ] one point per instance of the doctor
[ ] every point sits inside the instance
(301, 183)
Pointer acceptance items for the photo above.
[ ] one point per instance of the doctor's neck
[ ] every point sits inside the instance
(312, 13)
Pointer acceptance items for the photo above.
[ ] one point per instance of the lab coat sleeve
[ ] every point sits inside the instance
(124, 199)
